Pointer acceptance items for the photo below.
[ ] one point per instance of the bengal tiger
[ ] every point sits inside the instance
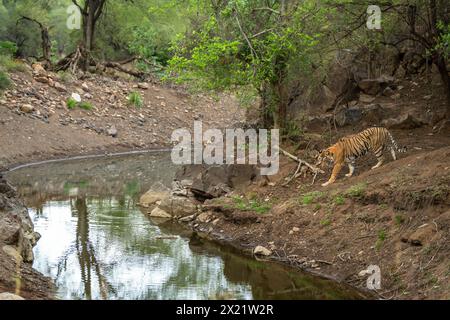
(347, 149)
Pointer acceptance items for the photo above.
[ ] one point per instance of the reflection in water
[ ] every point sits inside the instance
(96, 244)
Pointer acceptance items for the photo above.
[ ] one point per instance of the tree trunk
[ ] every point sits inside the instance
(46, 44)
(281, 115)
(442, 67)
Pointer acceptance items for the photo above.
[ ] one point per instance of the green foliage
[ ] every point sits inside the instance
(7, 48)
(357, 191)
(292, 131)
(311, 197)
(85, 105)
(399, 219)
(381, 239)
(5, 83)
(7, 63)
(251, 205)
(325, 222)
(339, 200)
(135, 99)
(71, 103)
(443, 44)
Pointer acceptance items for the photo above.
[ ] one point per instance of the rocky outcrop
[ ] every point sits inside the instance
(16, 228)
(17, 238)
(405, 121)
(212, 181)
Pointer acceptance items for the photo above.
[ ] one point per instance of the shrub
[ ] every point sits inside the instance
(134, 98)
(357, 191)
(4, 81)
(9, 64)
(85, 106)
(71, 103)
(339, 200)
(310, 197)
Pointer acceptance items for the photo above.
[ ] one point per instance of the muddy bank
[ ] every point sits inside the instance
(396, 217)
(17, 239)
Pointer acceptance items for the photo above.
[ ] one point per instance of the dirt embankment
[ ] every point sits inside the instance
(36, 123)
(396, 217)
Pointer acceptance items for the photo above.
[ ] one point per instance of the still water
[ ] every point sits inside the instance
(97, 244)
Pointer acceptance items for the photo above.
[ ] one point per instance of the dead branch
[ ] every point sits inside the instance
(301, 162)
(310, 166)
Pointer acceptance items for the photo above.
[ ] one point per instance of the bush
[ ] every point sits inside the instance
(71, 103)
(135, 99)
(85, 106)
(5, 83)
(9, 64)
(7, 48)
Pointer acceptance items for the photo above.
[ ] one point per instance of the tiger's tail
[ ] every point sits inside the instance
(395, 145)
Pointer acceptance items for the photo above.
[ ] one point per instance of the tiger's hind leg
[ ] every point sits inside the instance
(379, 163)
(351, 168)
(394, 156)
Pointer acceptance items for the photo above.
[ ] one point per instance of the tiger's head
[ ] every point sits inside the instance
(324, 158)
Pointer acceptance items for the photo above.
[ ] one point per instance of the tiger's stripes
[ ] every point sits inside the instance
(348, 149)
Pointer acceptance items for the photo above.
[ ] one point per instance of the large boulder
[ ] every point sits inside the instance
(369, 115)
(405, 121)
(211, 181)
(177, 206)
(375, 86)
(150, 198)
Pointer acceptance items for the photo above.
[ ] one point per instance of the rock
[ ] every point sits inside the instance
(178, 206)
(296, 229)
(421, 236)
(75, 96)
(159, 213)
(112, 131)
(406, 121)
(85, 87)
(260, 250)
(38, 68)
(10, 296)
(216, 180)
(375, 86)
(143, 85)
(443, 127)
(396, 96)
(88, 96)
(348, 116)
(187, 218)
(58, 86)
(204, 217)
(13, 253)
(27, 108)
(388, 92)
(150, 198)
(364, 98)
(42, 79)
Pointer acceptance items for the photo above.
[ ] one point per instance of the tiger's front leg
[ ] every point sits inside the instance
(337, 168)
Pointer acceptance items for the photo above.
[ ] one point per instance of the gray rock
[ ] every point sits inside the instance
(406, 121)
(178, 206)
(58, 86)
(112, 132)
(159, 213)
(260, 250)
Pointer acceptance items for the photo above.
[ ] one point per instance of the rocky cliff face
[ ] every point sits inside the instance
(17, 238)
